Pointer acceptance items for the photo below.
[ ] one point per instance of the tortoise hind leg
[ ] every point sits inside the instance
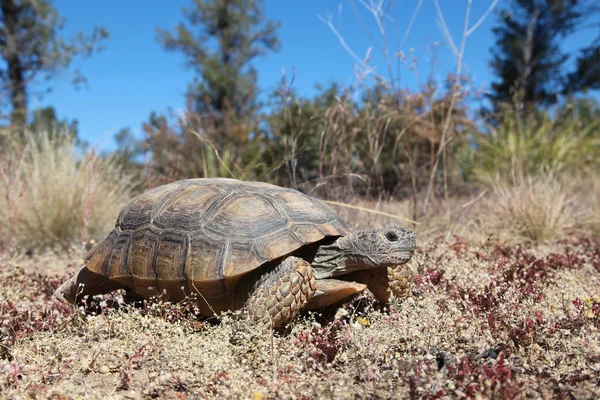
(85, 283)
(280, 294)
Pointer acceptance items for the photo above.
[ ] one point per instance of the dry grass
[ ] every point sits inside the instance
(455, 216)
(540, 208)
(588, 190)
(485, 321)
(51, 197)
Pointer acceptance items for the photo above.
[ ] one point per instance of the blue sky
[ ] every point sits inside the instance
(134, 76)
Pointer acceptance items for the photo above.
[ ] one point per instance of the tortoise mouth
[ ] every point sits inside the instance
(380, 260)
(398, 259)
(400, 254)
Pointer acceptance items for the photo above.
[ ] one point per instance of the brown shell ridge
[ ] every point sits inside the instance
(112, 238)
(126, 262)
(337, 223)
(123, 236)
(124, 211)
(188, 251)
(198, 181)
(257, 251)
(224, 258)
(334, 221)
(295, 235)
(288, 230)
(155, 228)
(213, 210)
(155, 257)
(152, 269)
(167, 202)
(256, 247)
(325, 233)
(106, 261)
(277, 206)
(128, 255)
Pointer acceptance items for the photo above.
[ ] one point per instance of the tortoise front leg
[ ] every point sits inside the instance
(278, 295)
(385, 281)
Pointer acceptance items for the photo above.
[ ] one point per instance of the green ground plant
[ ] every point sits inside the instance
(483, 321)
(515, 148)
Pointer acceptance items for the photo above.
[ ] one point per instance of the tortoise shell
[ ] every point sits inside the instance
(203, 235)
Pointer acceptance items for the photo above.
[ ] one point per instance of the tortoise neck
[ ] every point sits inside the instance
(334, 259)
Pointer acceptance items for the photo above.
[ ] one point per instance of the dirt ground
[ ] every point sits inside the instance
(483, 321)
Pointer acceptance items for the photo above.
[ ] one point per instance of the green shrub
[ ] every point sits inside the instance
(516, 149)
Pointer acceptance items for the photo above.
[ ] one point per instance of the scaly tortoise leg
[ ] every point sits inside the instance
(385, 281)
(278, 296)
(400, 281)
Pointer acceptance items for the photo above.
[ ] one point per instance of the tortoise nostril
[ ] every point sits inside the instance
(391, 236)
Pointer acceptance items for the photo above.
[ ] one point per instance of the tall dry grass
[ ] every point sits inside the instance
(51, 197)
(588, 189)
(538, 209)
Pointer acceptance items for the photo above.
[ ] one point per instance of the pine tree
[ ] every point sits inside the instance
(30, 46)
(587, 74)
(527, 57)
(219, 134)
(220, 40)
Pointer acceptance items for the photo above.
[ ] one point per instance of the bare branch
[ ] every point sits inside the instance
(483, 17)
(445, 29)
(446, 127)
(377, 15)
(380, 14)
(365, 28)
(363, 64)
(464, 40)
(371, 8)
(410, 24)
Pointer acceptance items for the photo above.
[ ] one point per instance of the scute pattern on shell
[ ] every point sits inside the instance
(203, 235)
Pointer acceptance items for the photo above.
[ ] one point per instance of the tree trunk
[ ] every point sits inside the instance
(16, 79)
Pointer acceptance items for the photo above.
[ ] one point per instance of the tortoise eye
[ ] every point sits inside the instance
(391, 236)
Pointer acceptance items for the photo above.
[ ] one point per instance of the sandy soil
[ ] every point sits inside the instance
(485, 321)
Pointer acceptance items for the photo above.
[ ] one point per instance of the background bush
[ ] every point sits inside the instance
(51, 196)
(435, 152)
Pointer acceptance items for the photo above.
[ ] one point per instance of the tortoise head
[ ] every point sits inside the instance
(380, 247)
(367, 249)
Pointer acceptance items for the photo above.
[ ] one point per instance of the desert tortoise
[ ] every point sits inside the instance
(241, 245)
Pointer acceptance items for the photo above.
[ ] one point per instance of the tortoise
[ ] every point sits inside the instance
(231, 245)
